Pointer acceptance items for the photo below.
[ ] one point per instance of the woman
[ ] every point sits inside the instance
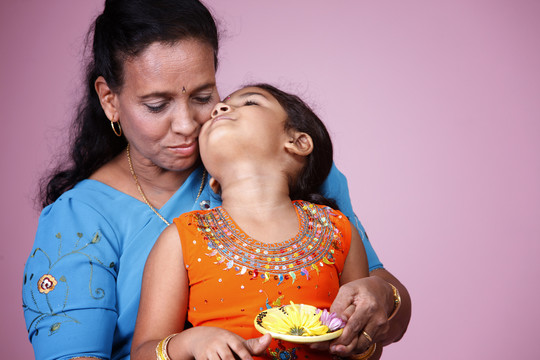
(152, 79)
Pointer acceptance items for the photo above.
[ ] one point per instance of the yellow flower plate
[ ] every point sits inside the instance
(296, 323)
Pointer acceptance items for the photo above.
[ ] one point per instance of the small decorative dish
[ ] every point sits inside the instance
(299, 323)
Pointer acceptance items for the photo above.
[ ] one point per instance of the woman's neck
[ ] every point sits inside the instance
(157, 184)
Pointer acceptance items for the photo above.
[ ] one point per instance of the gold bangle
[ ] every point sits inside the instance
(366, 354)
(397, 302)
(161, 348)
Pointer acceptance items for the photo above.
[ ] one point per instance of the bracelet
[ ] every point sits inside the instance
(397, 302)
(161, 348)
(366, 354)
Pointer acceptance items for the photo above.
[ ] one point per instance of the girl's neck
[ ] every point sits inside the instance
(254, 193)
(258, 202)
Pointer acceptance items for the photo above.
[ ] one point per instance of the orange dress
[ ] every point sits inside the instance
(233, 277)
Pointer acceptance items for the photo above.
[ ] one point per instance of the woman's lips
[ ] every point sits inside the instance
(184, 149)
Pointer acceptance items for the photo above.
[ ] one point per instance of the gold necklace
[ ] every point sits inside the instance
(142, 192)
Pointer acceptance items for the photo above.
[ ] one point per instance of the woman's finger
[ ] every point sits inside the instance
(344, 298)
(365, 339)
(344, 349)
(355, 323)
(377, 327)
(374, 330)
(320, 346)
(348, 312)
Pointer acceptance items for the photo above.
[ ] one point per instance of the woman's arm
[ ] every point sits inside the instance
(69, 286)
(335, 187)
(378, 294)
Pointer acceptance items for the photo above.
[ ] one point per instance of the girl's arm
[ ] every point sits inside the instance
(163, 309)
(356, 263)
(164, 296)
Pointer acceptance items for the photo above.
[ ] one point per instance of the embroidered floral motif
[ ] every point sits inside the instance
(46, 283)
(313, 246)
(281, 353)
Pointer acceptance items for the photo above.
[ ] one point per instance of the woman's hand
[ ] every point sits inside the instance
(216, 343)
(366, 304)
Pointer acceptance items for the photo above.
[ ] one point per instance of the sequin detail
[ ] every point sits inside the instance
(302, 255)
(204, 205)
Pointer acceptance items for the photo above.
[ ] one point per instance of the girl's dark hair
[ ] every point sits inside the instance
(122, 31)
(301, 118)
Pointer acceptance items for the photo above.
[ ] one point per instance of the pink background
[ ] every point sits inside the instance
(434, 108)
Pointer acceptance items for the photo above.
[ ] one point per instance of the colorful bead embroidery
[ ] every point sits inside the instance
(282, 353)
(311, 248)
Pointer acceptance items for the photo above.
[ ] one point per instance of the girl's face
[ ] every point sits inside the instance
(250, 122)
(169, 91)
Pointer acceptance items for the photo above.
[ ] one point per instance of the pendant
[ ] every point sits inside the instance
(205, 205)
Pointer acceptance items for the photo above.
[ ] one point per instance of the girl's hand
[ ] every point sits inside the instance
(215, 343)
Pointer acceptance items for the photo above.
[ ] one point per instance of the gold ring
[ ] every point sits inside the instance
(366, 354)
(367, 336)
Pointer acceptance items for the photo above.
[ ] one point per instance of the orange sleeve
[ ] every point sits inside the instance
(343, 225)
(187, 234)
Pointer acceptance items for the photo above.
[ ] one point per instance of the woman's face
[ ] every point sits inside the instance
(249, 123)
(169, 91)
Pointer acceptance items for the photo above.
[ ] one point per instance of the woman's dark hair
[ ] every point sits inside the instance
(122, 31)
(301, 118)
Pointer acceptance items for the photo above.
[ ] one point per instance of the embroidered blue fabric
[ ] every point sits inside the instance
(82, 280)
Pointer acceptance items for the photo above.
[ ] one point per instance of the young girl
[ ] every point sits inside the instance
(223, 266)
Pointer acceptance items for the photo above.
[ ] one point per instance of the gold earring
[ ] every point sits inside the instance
(119, 132)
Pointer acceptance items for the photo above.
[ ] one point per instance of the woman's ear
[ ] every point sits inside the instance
(299, 143)
(215, 186)
(107, 98)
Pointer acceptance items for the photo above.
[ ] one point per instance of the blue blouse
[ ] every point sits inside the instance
(82, 280)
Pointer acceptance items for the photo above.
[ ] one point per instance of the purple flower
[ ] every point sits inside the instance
(331, 320)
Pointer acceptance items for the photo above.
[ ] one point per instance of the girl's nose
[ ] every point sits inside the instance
(220, 108)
